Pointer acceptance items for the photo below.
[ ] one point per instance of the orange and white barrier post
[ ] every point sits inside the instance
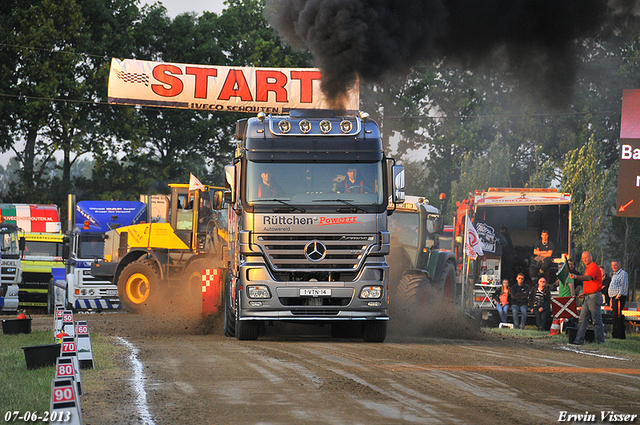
(211, 291)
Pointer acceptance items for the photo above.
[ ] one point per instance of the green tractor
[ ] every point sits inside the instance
(422, 271)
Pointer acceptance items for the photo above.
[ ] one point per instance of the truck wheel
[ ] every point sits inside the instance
(447, 283)
(229, 326)
(374, 330)
(138, 285)
(50, 298)
(247, 330)
(347, 329)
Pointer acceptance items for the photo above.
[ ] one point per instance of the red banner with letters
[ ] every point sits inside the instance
(220, 88)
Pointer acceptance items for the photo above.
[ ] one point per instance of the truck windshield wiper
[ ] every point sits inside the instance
(354, 208)
(289, 206)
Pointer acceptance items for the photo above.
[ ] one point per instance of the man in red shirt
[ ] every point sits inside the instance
(592, 285)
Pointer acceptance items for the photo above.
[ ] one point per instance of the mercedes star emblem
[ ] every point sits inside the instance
(315, 250)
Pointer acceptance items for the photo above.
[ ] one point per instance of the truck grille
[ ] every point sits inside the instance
(287, 253)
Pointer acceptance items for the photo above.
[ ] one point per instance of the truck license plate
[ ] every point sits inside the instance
(315, 292)
(112, 292)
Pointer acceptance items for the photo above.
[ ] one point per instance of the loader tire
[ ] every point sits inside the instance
(139, 286)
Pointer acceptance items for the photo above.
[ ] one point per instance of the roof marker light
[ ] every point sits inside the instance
(325, 126)
(284, 126)
(305, 126)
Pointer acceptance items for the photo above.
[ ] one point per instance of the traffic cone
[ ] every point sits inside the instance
(555, 327)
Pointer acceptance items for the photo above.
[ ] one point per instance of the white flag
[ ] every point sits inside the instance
(472, 244)
(194, 183)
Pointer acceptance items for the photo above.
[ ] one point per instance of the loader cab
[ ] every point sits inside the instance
(198, 216)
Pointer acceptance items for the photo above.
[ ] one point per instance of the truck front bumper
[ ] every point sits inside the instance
(313, 300)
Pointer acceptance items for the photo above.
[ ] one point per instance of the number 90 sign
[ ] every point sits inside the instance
(63, 394)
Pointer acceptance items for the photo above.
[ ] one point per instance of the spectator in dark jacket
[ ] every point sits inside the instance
(540, 303)
(519, 301)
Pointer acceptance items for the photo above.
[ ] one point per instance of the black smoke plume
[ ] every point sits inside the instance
(537, 40)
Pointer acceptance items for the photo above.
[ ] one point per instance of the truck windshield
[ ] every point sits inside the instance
(43, 249)
(9, 243)
(91, 247)
(305, 183)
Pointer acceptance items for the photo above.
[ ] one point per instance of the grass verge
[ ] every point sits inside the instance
(26, 390)
(612, 346)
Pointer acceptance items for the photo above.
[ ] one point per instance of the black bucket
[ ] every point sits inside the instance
(588, 337)
(38, 356)
(16, 326)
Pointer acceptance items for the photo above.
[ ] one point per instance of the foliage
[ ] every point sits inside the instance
(592, 189)
(490, 170)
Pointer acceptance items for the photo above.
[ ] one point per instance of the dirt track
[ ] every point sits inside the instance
(442, 371)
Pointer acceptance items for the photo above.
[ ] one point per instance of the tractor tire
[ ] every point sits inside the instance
(413, 291)
(447, 284)
(139, 286)
(374, 330)
(229, 327)
(247, 330)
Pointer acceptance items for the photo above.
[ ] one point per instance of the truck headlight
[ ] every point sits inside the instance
(371, 292)
(258, 291)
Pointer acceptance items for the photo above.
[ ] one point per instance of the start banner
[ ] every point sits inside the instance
(220, 88)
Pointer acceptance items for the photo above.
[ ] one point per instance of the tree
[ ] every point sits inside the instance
(593, 194)
(55, 63)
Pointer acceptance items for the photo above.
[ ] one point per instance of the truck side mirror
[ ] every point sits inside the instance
(230, 179)
(438, 225)
(22, 243)
(65, 248)
(398, 184)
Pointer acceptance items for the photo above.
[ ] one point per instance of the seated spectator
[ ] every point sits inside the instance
(540, 302)
(519, 302)
(502, 298)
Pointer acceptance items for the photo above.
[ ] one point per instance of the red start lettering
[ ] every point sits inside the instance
(163, 73)
(274, 81)
(202, 79)
(306, 83)
(235, 83)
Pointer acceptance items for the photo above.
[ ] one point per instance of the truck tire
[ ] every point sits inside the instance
(139, 285)
(247, 330)
(51, 307)
(374, 330)
(447, 283)
(229, 326)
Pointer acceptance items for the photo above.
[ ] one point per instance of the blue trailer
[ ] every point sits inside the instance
(89, 222)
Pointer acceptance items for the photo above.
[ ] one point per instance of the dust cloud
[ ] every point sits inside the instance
(435, 320)
(534, 41)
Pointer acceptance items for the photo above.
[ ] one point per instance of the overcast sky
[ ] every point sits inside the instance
(176, 7)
